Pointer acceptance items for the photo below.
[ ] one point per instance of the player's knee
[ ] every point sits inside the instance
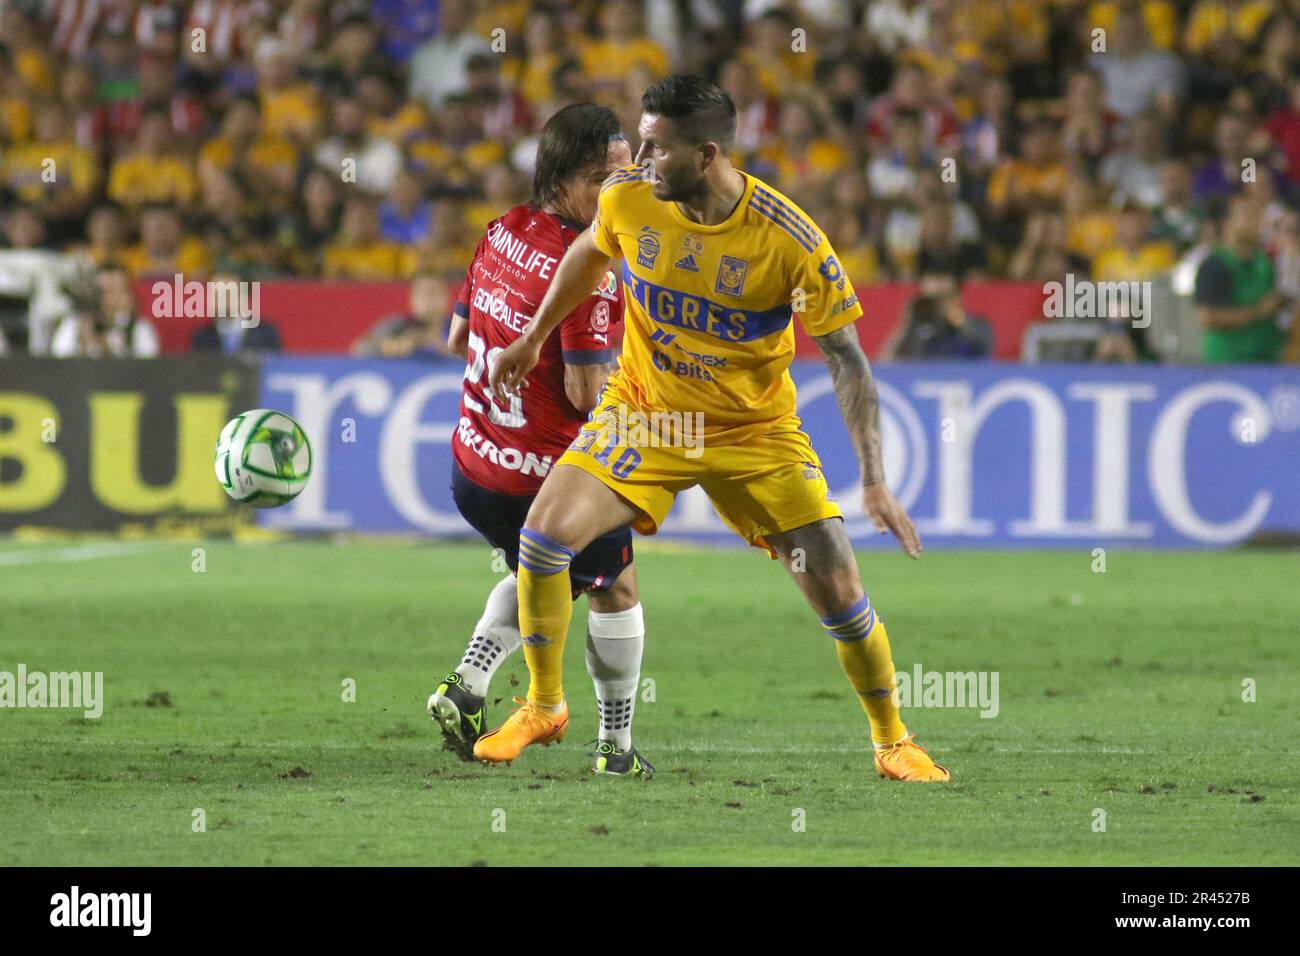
(541, 554)
(547, 517)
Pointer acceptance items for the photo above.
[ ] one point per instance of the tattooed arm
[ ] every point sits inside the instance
(855, 390)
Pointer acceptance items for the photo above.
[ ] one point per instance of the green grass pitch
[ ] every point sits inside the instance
(1119, 691)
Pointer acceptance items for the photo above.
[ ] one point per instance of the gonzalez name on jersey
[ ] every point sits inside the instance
(510, 446)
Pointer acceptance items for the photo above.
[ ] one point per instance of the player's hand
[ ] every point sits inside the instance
(513, 365)
(880, 505)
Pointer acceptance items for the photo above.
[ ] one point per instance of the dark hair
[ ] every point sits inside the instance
(701, 112)
(575, 137)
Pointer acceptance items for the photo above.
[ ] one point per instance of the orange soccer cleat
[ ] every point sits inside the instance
(907, 760)
(530, 724)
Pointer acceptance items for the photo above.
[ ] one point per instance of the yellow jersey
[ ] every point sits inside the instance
(708, 309)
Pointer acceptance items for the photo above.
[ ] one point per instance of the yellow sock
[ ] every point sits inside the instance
(862, 645)
(545, 606)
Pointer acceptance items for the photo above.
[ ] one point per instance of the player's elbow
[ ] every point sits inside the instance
(458, 337)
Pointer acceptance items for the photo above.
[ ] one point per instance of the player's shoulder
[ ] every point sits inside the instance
(535, 226)
(625, 178)
(784, 216)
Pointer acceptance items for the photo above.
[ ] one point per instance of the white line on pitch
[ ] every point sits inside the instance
(83, 552)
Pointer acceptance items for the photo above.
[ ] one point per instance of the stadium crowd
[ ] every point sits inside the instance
(936, 141)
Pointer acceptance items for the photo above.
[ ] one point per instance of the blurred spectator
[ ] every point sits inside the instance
(806, 156)
(243, 146)
(164, 249)
(1271, 86)
(356, 154)
(543, 51)
(105, 239)
(54, 172)
(405, 24)
(1034, 181)
(24, 227)
(1133, 173)
(622, 44)
(896, 24)
(1237, 302)
(1088, 128)
(1134, 257)
(112, 326)
(1091, 220)
(1222, 174)
(238, 230)
(937, 326)
(942, 250)
(768, 50)
(1176, 217)
(1041, 254)
(360, 251)
(233, 334)
(894, 172)
(1283, 124)
(388, 115)
(1138, 77)
(291, 107)
(151, 173)
(1221, 29)
(1160, 16)
(315, 222)
(910, 93)
(421, 331)
(503, 113)
(987, 135)
(438, 65)
(405, 216)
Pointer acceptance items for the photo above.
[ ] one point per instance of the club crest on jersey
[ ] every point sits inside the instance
(731, 275)
(600, 316)
(647, 247)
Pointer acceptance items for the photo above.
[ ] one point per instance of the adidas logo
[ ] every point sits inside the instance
(687, 262)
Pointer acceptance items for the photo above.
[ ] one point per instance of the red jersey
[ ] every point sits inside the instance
(510, 445)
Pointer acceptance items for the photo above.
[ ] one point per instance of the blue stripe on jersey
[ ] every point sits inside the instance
(785, 223)
(616, 179)
(698, 314)
(461, 309)
(587, 357)
(776, 202)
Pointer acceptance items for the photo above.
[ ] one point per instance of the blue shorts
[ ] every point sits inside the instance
(499, 517)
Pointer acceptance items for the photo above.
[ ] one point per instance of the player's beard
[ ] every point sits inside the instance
(679, 189)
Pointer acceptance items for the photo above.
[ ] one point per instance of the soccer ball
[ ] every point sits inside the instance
(263, 458)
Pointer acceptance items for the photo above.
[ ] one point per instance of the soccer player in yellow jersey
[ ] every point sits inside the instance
(715, 264)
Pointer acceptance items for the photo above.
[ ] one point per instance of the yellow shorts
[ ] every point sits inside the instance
(770, 482)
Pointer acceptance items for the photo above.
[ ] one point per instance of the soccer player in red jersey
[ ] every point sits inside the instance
(504, 447)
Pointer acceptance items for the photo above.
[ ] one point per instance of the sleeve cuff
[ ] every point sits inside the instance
(588, 357)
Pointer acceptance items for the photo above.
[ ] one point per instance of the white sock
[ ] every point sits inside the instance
(496, 637)
(614, 645)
